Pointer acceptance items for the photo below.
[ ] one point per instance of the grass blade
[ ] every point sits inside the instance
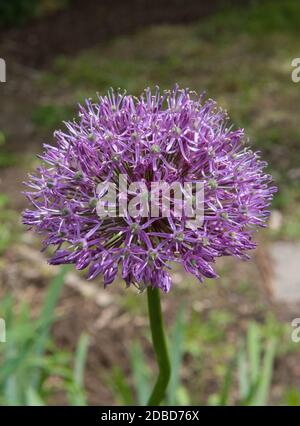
(262, 394)
(33, 399)
(254, 349)
(47, 315)
(121, 387)
(140, 373)
(80, 359)
(224, 396)
(176, 354)
(244, 385)
(78, 397)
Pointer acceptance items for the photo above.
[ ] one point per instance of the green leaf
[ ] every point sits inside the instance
(224, 396)
(30, 356)
(253, 342)
(292, 397)
(33, 398)
(141, 373)
(2, 138)
(261, 397)
(78, 397)
(176, 355)
(80, 359)
(244, 385)
(121, 387)
(47, 314)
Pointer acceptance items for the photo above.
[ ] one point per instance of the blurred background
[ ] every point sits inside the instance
(69, 341)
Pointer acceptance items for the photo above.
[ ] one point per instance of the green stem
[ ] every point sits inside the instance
(160, 347)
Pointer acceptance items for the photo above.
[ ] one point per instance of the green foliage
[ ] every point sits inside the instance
(120, 387)
(202, 334)
(2, 138)
(143, 376)
(254, 370)
(258, 18)
(51, 116)
(29, 358)
(8, 230)
(141, 373)
(75, 386)
(250, 371)
(292, 398)
(255, 375)
(7, 159)
(18, 12)
(176, 392)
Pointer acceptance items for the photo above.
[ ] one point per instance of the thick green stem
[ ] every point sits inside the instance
(160, 347)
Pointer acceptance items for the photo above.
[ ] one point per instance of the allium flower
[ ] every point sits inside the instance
(171, 137)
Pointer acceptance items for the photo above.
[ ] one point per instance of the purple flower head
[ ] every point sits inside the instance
(170, 137)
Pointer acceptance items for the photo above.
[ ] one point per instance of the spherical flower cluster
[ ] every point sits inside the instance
(174, 136)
